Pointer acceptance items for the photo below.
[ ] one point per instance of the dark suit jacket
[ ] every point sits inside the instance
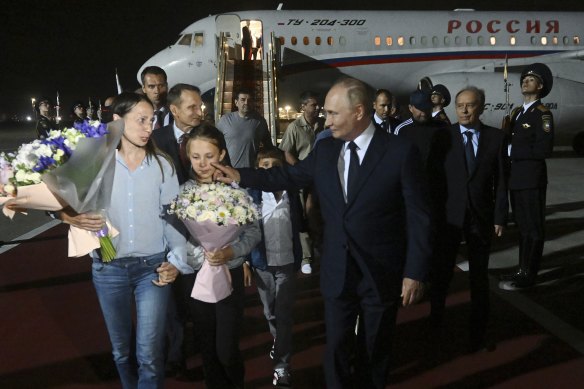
(484, 191)
(393, 123)
(371, 227)
(167, 142)
(532, 141)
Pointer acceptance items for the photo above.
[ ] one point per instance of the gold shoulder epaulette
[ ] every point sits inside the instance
(543, 108)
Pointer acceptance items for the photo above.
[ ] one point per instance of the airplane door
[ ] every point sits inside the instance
(231, 26)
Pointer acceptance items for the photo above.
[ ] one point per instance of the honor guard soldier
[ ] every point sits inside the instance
(440, 99)
(78, 113)
(532, 136)
(45, 123)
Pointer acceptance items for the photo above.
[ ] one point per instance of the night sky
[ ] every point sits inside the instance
(74, 46)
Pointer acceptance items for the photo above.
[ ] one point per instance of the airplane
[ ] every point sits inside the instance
(401, 51)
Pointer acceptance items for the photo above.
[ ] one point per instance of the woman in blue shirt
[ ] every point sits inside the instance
(150, 252)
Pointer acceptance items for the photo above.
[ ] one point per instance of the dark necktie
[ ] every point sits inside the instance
(353, 171)
(159, 119)
(182, 153)
(385, 126)
(469, 153)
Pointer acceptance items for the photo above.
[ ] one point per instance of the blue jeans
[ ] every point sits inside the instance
(118, 283)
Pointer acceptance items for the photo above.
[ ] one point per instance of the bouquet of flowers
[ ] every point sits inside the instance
(214, 214)
(73, 167)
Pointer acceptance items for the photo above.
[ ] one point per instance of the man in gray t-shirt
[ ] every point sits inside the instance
(245, 131)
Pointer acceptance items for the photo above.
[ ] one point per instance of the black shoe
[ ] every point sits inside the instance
(523, 283)
(512, 277)
(481, 346)
(174, 369)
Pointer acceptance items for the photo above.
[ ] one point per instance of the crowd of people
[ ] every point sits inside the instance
(383, 203)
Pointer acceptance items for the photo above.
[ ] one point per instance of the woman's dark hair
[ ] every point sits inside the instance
(124, 103)
(211, 134)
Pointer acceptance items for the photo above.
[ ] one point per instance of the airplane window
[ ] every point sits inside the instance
(342, 40)
(576, 40)
(199, 39)
(493, 40)
(468, 40)
(377, 40)
(533, 40)
(435, 40)
(512, 40)
(282, 41)
(185, 40)
(555, 40)
(424, 40)
(447, 40)
(480, 40)
(329, 40)
(412, 41)
(400, 40)
(306, 40)
(544, 40)
(388, 40)
(566, 40)
(317, 40)
(457, 40)
(293, 40)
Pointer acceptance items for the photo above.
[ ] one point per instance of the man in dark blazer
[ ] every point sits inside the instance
(186, 108)
(475, 202)
(376, 244)
(381, 111)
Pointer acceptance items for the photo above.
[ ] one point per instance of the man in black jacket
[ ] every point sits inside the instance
(45, 123)
(475, 203)
(532, 141)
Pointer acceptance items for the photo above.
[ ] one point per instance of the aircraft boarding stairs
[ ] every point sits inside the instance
(259, 76)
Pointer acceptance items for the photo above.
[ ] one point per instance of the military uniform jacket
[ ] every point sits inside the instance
(44, 126)
(532, 140)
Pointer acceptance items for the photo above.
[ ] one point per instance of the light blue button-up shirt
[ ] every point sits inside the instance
(138, 211)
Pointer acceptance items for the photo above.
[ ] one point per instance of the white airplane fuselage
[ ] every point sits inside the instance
(399, 50)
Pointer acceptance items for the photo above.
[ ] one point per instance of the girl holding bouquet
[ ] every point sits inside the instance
(149, 250)
(218, 324)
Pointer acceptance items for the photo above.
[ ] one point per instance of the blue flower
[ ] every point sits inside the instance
(44, 163)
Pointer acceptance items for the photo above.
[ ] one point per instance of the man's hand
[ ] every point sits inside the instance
(499, 230)
(225, 174)
(87, 221)
(166, 274)
(219, 257)
(412, 291)
(246, 274)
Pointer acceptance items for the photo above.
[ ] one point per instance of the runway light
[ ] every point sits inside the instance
(287, 108)
(28, 118)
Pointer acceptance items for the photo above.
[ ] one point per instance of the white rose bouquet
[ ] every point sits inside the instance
(214, 214)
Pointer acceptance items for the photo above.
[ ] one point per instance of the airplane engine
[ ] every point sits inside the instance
(565, 101)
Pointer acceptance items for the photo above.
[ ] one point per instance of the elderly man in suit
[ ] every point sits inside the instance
(376, 244)
(474, 194)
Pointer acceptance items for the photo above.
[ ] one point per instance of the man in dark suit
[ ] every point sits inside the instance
(532, 141)
(376, 243)
(186, 108)
(381, 111)
(475, 203)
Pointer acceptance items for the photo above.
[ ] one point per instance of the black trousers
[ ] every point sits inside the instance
(529, 211)
(369, 352)
(218, 327)
(478, 240)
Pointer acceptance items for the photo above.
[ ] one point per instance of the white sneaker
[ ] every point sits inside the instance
(306, 268)
(281, 378)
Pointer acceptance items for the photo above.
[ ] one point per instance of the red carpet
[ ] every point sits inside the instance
(53, 336)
